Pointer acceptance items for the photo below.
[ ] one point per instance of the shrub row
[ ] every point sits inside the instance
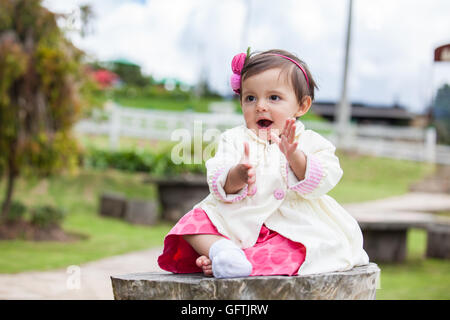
(41, 216)
(158, 164)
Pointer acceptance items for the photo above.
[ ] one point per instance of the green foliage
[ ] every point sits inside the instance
(42, 216)
(47, 156)
(129, 91)
(46, 216)
(41, 74)
(441, 114)
(17, 211)
(130, 73)
(127, 160)
(164, 166)
(159, 164)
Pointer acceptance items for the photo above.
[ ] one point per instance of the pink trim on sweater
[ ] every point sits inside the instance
(216, 192)
(314, 174)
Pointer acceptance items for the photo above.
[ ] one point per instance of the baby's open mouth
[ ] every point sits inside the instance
(264, 123)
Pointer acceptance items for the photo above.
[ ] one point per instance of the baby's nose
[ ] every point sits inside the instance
(261, 106)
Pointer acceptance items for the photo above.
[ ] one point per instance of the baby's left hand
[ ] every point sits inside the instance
(286, 140)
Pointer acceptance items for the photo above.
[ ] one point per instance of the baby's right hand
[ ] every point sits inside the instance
(245, 171)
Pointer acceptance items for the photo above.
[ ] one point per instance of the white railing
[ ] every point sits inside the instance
(402, 143)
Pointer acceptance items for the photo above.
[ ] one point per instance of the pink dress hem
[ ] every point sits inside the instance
(272, 254)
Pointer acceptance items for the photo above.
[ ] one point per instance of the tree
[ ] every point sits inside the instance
(41, 75)
(441, 114)
(129, 73)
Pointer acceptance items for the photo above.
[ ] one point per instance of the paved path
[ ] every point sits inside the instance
(414, 208)
(414, 201)
(95, 280)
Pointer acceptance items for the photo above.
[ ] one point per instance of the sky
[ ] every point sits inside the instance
(391, 50)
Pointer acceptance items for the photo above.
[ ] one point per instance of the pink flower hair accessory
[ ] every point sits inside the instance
(237, 64)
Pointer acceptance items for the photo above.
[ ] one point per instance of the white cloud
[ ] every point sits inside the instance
(391, 53)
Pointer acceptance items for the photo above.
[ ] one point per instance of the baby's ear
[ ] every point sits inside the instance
(304, 106)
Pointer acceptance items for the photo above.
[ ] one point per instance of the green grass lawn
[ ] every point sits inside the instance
(418, 278)
(368, 178)
(79, 196)
(196, 105)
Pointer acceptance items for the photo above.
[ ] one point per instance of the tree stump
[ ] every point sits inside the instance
(113, 205)
(178, 195)
(438, 241)
(359, 283)
(385, 241)
(141, 212)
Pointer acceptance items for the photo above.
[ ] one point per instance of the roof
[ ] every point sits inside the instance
(364, 111)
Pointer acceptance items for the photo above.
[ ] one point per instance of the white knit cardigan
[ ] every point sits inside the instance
(299, 210)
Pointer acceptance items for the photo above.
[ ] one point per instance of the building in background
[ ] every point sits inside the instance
(368, 114)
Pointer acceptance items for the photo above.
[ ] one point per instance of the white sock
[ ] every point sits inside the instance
(228, 260)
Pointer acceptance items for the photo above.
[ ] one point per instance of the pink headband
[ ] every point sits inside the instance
(237, 64)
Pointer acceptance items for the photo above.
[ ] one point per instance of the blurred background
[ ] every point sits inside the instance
(91, 93)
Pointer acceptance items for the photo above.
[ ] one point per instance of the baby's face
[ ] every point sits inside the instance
(268, 100)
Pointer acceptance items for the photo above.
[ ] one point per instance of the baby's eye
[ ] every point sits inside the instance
(250, 98)
(274, 97)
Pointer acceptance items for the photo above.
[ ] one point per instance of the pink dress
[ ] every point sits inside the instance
(272, 254)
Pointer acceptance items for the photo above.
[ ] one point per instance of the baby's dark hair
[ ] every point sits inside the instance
(256, 63)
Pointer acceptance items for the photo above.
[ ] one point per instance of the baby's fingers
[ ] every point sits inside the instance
(275, 138)
(251, 189)
(291, 135)
(251, 174)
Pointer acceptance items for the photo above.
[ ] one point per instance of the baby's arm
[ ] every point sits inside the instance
(289, 147)
(241, 174)
(322, 168)
(312, 170)
(297, 162)
(228, 172)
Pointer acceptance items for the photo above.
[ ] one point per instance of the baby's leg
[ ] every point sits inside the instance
(201, 244)
(227, 260)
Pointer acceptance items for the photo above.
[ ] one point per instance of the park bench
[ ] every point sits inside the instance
(359, 283)
(385, 234)
(135, 211)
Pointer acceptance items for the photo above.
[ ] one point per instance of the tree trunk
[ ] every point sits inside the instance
(8, 197)
(12, 175)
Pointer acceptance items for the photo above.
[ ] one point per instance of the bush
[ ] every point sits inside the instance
(151, 91)
(164, 166)
(16, 211)
(46, 216)
(129, 160)
(159, 164)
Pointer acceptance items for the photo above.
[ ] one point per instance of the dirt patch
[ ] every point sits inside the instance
(24, 230)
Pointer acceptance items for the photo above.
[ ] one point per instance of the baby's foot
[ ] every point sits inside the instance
(228, 260)
(204, 263)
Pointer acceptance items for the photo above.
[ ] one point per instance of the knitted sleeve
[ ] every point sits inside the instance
(217, 168)
(323, 170)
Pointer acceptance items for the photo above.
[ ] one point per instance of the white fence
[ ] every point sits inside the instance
(395, 142)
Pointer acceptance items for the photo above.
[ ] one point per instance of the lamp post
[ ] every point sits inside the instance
(244, 34)
(343, 109)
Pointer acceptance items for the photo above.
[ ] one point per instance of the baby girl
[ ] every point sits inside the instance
(268, 212)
